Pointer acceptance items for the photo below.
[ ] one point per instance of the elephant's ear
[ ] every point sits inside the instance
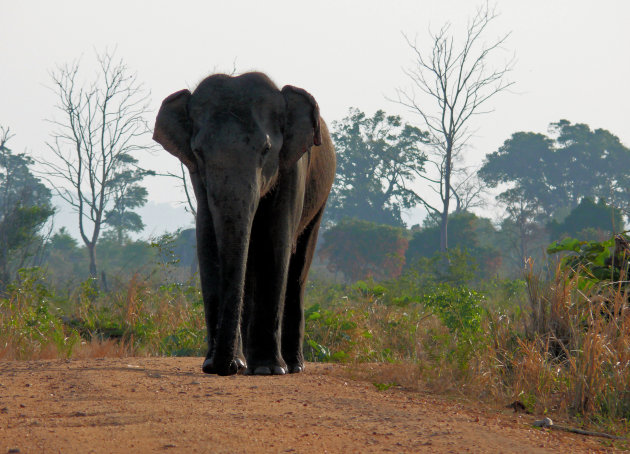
(173, 128)
(302, 127)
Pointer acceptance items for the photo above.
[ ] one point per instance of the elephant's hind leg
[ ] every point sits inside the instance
(293, 317)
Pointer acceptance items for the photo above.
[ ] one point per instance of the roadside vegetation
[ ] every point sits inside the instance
(556, 341)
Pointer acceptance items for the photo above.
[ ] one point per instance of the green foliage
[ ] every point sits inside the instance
(525, 159)
(376, 322)
(558, 172)
(550, 176)
(127, 256)
(591, 260)
(128, 195)
(68, 266)
(586, 216)
(362, 249)
(377, 160)
(31, 321)
(454, 267)
(357, 324)
(459, 309)
(185, 248)
(165, 246)
(338, 325)
(25, 206)
(523, 235)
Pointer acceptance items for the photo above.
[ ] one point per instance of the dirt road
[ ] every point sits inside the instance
(167, 405)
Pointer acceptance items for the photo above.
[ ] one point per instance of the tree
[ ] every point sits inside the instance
(468, 233)
(589, 219)
(362, 249)
(592, 163)
(102, 127)
(128, 195)
(65, 261)
(25, 206)
(450, 85)
(377, 160)
(526, 161)
(522, 228)
(557, 173)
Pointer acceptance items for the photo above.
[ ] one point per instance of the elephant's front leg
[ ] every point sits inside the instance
(210, 276)
(268, 263)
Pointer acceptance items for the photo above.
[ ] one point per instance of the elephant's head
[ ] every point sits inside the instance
(229, 115)
(237, 136)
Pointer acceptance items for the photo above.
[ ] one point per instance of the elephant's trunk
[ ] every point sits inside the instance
(233, 214)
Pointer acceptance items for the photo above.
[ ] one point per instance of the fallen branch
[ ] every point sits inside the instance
(547, 423)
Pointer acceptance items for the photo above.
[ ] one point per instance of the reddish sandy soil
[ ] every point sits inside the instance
(167, 405)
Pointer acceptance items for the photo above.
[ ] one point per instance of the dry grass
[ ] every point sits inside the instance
(572, 356)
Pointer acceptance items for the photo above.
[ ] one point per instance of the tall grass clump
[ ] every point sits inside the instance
(573, 351)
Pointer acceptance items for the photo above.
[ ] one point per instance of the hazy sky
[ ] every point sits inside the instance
(572, 60)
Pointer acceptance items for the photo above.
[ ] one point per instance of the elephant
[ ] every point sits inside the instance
(262, 164)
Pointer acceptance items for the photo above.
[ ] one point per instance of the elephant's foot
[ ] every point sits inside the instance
(295, 361)
(265, 370)
(295, 368)
(235, 366)
(265, 366)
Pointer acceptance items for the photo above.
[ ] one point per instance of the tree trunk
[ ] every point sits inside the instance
(446, 197)
(444, 230)
(92, 253)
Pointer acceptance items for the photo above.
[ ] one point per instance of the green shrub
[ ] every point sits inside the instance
(31, 321)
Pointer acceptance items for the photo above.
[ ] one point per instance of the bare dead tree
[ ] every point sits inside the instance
(101, 127)
(450, 84)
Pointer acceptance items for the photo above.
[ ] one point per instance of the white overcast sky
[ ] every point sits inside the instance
(572, 60)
